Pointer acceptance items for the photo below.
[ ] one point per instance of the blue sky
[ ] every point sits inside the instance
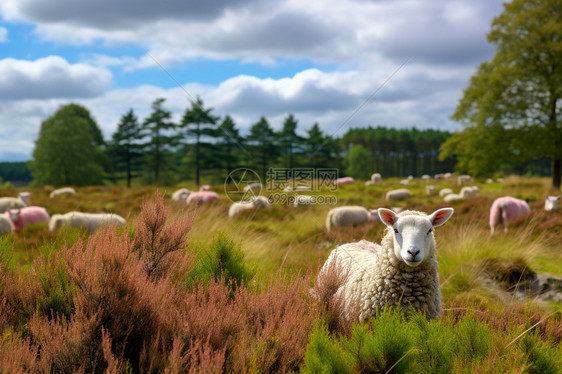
(318, 60)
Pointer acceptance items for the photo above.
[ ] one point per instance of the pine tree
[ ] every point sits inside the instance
(126, 148)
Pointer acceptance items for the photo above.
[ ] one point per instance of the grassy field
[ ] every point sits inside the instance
(285, 245)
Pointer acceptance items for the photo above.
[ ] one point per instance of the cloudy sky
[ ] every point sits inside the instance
(346, 63)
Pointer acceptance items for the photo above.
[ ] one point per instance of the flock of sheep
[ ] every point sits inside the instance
(15, 214)
(401, 271)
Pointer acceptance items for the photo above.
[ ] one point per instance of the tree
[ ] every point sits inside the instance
(126, 149)
(289, 140)
(518, 94)
(202, 122)
(314, 139)
(357, 162)
(263, 138)
(162, 138)
(230, 139)
(64, 152)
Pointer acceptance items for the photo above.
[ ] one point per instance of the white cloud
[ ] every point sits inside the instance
(50, 77)
(3, 35)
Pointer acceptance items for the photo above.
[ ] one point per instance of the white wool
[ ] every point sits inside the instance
(11, 203)
(90, 221)
(402, 271)
(430, 190)
(551, 203)
(257, 202)
(6, 225)
(405, 182)
(376, 178)
(398, 194)
(63, 191)
(347, 216)
(181, 195)
(445, 192)
(426, 178)
(463, 179)
(304, 200)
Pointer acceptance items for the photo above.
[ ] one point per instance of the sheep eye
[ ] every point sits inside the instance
(429, 232)
(396, 231)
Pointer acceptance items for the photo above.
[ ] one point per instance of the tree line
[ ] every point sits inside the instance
(70, 149)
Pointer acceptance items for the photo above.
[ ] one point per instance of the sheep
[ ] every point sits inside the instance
(376, 178)
(398, 194)
(63, 191)
(405, 182)
(551, 203)
(202, 196)
(27, 215)
(445, 192)
(506, 209)
(304, 200)
(6, 225)
(11, 203)
(90, 221)
(24, 196)
(344, 180)
(439, 176)
(463, 179)
(426, 178)
(205, 187)
(253, 188)
(348, 216)
(447, 175)
(257, 202)
(369, 183)
(181, 195)
(430, 190)
(465, 193)
(401, 271)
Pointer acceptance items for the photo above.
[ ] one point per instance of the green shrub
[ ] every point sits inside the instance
(540, 357)
(324, 355)
(437, 343)
(473, 339)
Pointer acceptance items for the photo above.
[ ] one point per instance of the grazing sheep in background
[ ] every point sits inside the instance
(304, 200)
(489, 180)
(398, 194)
(470, 191)
(506, 209)
(90, 221)
(405, 182)
(205, 187)
(27, 215)
(445, 192)
(463, 179)
(376, 178)
(345, 180)
(499, 180)
(430, 190)
(63, 191)
(439, 176)
(257, 202)
(181, 195)
(348, 216)
(551, 203)
(11, 203)
(369, 183)
(402, 271)
(24, 196)
(447, 175)
(465, 193)
(425, 178)
(303, 188)
(410, 177)
(202, 196)
(254, 188)
(6, 225)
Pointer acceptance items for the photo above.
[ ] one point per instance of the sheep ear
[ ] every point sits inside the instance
(387, 216)
(439, 217)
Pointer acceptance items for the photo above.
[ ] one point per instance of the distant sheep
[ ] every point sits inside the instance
(348, 216)
(376, 178)
(202, 196)
(465, 193)
(181, 195)
(429, 190)
(257, 202)
(90, 221)
(447, 175)
(405, 182)
(6, 225)
(506, 209)
(445, 191)
(345, 180)
(255, 188)
(400, 272)
(24, 196)
(63, 191)
(426, 178)
(398, 194)
(551, 203)
(11, 203)
(304, 200)
(439, 176)
(463, 179)
(27, 215)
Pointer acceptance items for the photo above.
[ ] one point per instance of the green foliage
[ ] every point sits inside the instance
(437, 343)
(473, 338)
(541, 359)
(14, 171)
(125, 148)
(262, 141)
(7, 258)
(223, 259)
(65, 152)
(324, 354)
(356, 163)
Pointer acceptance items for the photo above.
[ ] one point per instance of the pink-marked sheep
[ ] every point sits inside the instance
(6, 225)
(506, 209)
(205, 187)
(345, 180)
(27, 215)
(202, 196)
(551, 203)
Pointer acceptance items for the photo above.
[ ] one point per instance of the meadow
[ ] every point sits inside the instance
(186, 289)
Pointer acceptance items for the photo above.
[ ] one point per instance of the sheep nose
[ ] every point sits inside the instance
(414, 252)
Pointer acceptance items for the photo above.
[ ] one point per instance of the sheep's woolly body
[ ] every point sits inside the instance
(90, 221)
(181, 195)
(63, 191)
(347, 216)
(399, 194)
(11, 203)
(376, 277)
(257, 202)
(6, 225)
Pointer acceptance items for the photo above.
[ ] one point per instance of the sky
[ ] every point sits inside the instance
(343, 64)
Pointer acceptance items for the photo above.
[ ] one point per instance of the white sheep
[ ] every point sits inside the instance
(304, 200)
(376, 178)
(90, 221)
(402, 271)
(445, 191)
(463, 179)
(253, 189)
(348, 216)
(6, 225)
(465, 193)
(405, 182)
(429, 190)
(551, 203)
(63, 191)
(256, 202)
(14, 202)
(425, 178)
(181, 195)
(398, 194)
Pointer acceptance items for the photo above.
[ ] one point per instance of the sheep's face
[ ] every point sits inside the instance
(413, 234)
(551, 203)
(14, 215)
